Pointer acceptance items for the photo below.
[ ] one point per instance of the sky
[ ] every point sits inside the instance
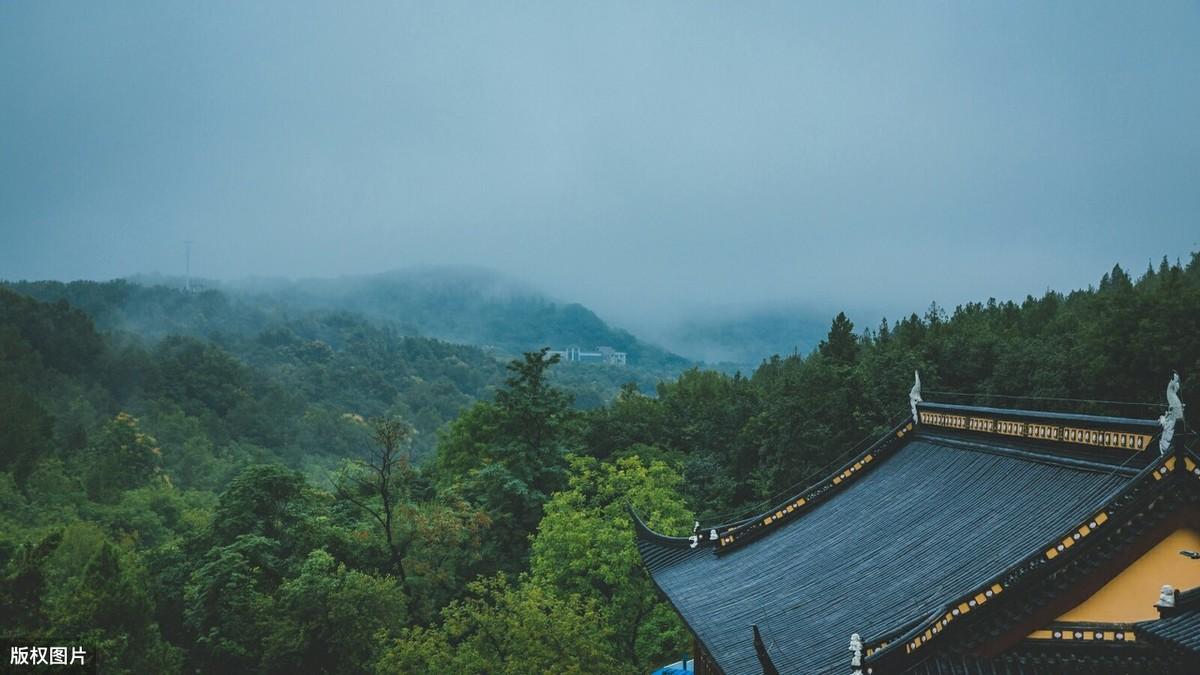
(648, 159)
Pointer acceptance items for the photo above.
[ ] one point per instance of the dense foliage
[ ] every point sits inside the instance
(255, 492)
(364, 342)
(464, 304)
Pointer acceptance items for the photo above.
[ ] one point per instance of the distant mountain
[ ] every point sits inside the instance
(743, 341)
(464, 305)
(428, 341)
(468, 305)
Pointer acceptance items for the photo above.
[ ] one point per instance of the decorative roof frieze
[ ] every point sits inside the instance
(1123, 507)
(1039, 431)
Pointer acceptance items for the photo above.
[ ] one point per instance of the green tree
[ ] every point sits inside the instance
(513, 454)
(330, 619)
(24, 587)
(228, 604)
(585, 546)
(508, 630)
(56, 495)
(381, 485)
(120, 457)
(63, 337)
(841, 344)
(107, 607)
(466, 443)
(535, 415)
(447, 546)
(704, 416)
(630, 419)
(27, 432)
(269, 501)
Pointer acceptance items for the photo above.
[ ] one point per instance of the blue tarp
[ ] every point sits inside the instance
(677, 668)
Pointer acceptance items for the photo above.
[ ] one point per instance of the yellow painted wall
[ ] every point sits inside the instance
(1132, 594)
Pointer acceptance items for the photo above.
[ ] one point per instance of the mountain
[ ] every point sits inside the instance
(468, 305)
(295, 369)
(492, 317)
(740, 341)
(458, 304)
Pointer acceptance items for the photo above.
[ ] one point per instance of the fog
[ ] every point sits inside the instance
(646, 159)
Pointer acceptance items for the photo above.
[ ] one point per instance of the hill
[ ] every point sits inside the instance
(467, 305)
(740, 340)
(145, 508)
(464, 318)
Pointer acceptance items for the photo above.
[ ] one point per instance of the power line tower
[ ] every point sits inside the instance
(187, 245)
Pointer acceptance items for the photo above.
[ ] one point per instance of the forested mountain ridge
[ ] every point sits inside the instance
(251, 320)
(465, 305)
(152, 510)
(206, 348)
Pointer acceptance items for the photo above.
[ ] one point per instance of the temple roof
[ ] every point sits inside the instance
(929, 514)
(1179, 628)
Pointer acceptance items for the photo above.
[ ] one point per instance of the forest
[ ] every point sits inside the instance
(191, 482)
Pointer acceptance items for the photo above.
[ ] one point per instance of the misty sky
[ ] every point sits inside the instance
(641, 157)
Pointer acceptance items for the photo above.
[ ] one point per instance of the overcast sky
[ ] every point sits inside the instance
(639, 157)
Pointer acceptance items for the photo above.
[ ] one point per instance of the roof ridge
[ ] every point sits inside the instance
(1056, 548)
(1044, 414)
(802, 502)
(645, 532)
(1113, 433)
(731, 533)
(1055, 459)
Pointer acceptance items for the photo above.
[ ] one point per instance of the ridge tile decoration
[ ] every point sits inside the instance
(1079, 533)
(967, 604)
(1121, 440)
(731, 536)
(1189, 466)
(970, 602)
(1167, 467)
(1089, 632)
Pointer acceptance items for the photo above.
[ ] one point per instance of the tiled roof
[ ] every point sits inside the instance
(1181, 628)
(934, 517)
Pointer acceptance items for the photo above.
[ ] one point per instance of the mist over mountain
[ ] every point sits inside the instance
(464, 304)
(484, 307)
(381, 337)
(400, 332)
(493, 317)
(733, 339)
(469, 305)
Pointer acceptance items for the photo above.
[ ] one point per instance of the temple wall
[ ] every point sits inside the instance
(1132, 594)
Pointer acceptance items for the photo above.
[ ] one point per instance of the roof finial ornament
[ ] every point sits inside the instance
(695, 538)
(856, 646)
(914, 395)
(1166, 597)
(1174, 414)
